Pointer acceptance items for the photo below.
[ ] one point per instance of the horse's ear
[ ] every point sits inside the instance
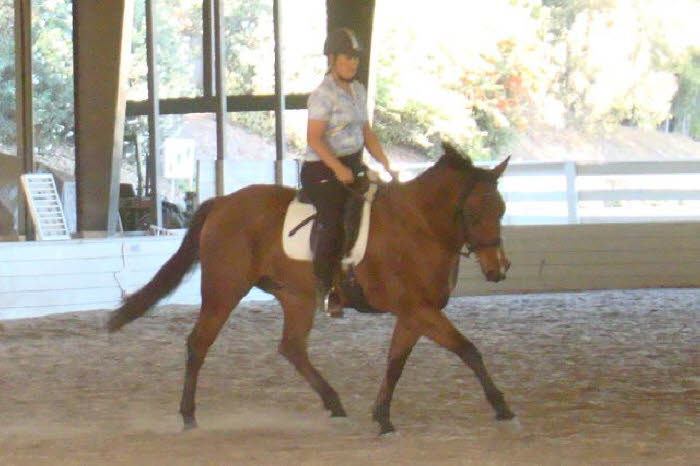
(500, 168)
(454, 157)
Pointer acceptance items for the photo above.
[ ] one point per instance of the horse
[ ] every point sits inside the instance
(417, 234)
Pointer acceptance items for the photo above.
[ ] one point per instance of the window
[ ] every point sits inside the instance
(8, 130)
(179, 47)
(52, 81)
(250, 47)
(303, 34)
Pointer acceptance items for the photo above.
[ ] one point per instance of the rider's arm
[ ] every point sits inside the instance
(314, 137)
(375, 147)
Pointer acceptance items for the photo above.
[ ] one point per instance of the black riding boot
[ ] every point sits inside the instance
(325, 263)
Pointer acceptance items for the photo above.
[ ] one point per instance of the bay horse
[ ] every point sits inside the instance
(418, 230)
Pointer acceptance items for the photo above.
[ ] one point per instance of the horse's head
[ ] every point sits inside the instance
(480, 211)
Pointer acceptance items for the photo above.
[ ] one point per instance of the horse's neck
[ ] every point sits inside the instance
(430, 201)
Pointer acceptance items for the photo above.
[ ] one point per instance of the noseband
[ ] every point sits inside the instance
(484, 245)
(462, 219)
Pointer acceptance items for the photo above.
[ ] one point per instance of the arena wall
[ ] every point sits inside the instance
(39, 278)
(586, 257)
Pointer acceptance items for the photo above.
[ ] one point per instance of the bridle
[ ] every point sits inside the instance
(461, 217)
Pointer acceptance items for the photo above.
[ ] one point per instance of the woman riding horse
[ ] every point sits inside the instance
(417, 232)
(337, 132)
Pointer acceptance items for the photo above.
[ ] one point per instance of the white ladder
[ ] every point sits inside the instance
(45, 206)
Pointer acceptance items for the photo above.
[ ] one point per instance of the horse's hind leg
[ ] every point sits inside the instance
(298, 320)
(402, 343)
(437, 327)
(215, 310)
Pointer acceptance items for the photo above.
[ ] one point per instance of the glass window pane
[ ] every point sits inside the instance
(250, 47)
(8, 130)
(181, 138)
(252, 151)
(178, 50)
(295, 133)
(138, 69)
(52, 55)
(303, 33)
(179, 47)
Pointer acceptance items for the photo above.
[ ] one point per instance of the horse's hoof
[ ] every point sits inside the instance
(511, 426)
(387, 431)
(339, 413)
(506, 415)
(189, 425)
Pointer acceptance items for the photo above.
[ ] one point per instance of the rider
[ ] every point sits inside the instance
(337, 132)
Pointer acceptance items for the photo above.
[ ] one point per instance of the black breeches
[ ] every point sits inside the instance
(329, 197)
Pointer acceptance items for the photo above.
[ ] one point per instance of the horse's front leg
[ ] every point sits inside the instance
(402, 343)
(436, 326)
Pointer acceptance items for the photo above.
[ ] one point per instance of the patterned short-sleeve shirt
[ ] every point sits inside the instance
(346, 114)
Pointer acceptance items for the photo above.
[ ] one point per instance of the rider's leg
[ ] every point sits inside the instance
(328, 196)
(329, 206)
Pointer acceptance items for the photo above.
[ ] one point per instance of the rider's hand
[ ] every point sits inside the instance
(344, 174)
(394, 175)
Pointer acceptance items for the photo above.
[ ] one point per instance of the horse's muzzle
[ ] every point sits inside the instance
(495, 269)
(495, 276)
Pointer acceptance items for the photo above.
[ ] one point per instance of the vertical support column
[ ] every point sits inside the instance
(23, 104)
(154, 145)
(280, 142)
(101, 41)
(208, 71)
(571, 191)
(221, 111)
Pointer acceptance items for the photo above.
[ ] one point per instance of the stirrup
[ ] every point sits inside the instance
(334, 308)
(321, 297)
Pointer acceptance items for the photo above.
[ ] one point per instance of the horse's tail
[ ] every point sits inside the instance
(167, 278)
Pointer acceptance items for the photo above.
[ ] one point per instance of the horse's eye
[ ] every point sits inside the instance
(471, 219)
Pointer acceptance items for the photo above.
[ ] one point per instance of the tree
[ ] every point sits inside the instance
(7, 77)
(686, 103)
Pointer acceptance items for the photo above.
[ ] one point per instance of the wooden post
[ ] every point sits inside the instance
(102, 44)
(208, 71)
(279, 95)
(154, 145)
(23, 104)
(571, 191)
(221, 111)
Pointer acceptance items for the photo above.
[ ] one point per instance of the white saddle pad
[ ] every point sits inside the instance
(298, 245)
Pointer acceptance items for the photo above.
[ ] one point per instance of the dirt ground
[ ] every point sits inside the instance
(610, 377)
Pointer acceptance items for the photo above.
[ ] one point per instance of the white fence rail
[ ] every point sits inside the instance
(542, 193)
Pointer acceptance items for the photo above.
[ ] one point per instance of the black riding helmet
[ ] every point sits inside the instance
(343, 41)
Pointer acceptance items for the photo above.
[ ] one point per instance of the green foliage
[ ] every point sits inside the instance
(52, 65)
(410, 125)
(686, 103)
(478, 80)
(7, 77)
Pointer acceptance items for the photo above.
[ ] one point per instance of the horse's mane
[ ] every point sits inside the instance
(453, 159)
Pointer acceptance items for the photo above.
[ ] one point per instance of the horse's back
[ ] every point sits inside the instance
(253, 201)
(244, 220)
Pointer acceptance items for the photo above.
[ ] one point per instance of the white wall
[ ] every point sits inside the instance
(45, 277)
(39, 278)
(576, 257)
